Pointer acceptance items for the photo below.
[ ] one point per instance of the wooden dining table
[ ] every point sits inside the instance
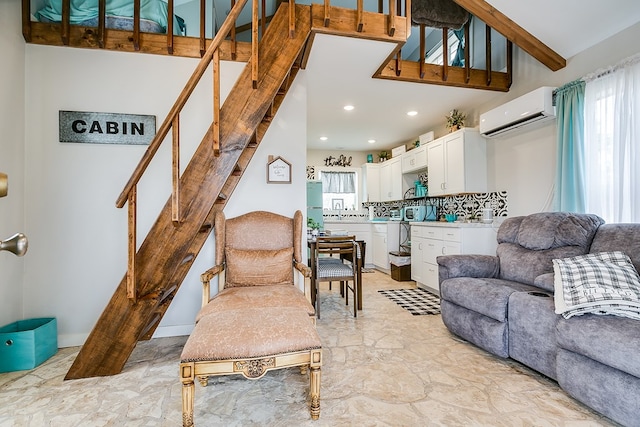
(311, 244)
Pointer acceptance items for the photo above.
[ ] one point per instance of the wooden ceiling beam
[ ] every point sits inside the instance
(514, 33)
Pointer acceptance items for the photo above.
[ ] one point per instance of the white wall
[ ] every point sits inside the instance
(524, 164)
(78, 237)
(12, 114)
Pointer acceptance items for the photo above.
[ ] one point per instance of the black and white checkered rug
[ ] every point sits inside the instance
(417, 301)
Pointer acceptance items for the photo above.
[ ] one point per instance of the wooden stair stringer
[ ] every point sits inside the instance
(165, 256)
(228, 188)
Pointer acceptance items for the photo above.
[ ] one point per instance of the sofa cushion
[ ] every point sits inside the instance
(610, 340)
(528, 244)
(548, 230)
(488, 297)
(599, 283)
(523, 265)
(619, 237)
(259, 267)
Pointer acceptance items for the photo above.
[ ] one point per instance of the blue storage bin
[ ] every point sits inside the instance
(27, 343)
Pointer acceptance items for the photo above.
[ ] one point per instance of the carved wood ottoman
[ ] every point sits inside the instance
(250, 342)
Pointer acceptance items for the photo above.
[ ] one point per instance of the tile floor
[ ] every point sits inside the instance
(385, 368)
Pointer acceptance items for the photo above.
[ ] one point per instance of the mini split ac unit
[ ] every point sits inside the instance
(534, 107)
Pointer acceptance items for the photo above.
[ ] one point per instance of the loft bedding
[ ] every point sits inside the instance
(119, 13)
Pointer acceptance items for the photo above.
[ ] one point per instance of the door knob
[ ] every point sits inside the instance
(16, 244)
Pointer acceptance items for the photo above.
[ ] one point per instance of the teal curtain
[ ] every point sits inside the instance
(570, 170)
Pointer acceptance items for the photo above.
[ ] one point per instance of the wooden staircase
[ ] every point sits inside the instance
(168, 251)
(165, 257)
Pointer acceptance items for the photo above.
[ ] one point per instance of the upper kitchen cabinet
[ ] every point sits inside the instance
(414, 160)
(457, 163)
(391, 180)
(370, 182)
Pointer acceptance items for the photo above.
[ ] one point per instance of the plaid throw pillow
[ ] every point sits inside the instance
(599, 283)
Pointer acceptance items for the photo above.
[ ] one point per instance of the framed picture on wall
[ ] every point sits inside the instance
(337, 204)
(278, 171)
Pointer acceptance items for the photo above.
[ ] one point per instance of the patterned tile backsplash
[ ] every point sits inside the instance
(463, 205)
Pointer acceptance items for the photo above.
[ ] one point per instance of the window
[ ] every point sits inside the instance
(612, 154)
(339, 190)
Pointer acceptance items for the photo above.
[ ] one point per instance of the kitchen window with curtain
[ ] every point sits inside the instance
(339, 190)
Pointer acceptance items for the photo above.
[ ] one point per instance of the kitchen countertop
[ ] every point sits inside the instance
(461, 224)
(455, 224)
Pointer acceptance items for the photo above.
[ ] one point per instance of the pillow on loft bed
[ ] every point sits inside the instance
(119, 14)
(438, 14)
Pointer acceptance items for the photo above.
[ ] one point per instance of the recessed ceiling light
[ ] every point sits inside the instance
(323, 138)
(371, 141)
(412, 113)
(349, 107)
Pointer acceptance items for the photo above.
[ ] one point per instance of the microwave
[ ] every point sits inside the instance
(415, 213)
(395, 215)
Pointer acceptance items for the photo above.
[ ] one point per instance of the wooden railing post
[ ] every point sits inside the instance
(292, 19)
(175, 170)
(392, 18)
(216, 102)
(234, 43)
(254, 43)
(26, 20)
(467, 52)
(360, 12)
(203, 40)
(445, 54)
(407, 14)
(102, 14)
(423, 43)
(488, 53)
(65, 28)
(132, 293)
(327, 7)
(170, 27)
(136, 24)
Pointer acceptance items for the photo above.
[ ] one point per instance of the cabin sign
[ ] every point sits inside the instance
(106, 128)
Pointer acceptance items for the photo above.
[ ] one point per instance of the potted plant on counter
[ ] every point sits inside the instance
(312, 227)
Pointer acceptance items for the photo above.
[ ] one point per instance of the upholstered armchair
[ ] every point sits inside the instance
(257, 258)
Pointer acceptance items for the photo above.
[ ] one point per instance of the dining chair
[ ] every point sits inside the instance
(328, 254)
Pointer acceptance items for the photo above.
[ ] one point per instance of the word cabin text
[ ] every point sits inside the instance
(106, 128)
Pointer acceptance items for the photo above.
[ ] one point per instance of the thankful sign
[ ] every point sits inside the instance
(106, 128)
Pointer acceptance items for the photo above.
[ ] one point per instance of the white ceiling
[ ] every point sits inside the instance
(339, 72)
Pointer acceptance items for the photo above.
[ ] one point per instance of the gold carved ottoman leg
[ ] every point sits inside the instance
(314, 391)
(188, 389)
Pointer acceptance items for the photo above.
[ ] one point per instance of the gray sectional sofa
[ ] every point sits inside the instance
(505, 305)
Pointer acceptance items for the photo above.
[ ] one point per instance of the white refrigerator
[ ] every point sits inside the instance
(314, 202)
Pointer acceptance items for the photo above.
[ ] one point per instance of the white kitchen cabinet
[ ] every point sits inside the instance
(362, 231)
(391, 180)
(457, 163)
(414, 160)
(386, 238)
(430, 241)
(371, 182)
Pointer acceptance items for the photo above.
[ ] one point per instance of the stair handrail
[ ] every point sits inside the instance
(177, 107)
